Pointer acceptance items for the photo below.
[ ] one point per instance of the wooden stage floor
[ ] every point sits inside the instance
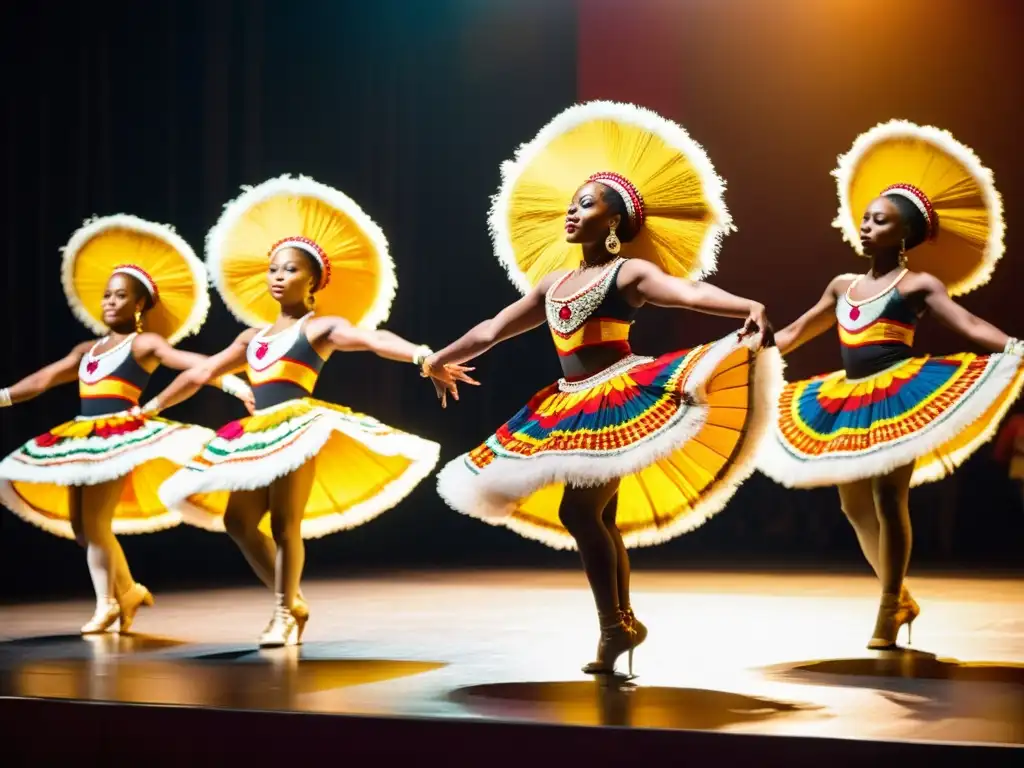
(730, 653)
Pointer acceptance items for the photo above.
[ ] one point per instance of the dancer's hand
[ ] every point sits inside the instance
(757, 322)
(445, 379)
(249, 401)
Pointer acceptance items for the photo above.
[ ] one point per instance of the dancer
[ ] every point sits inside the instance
(307, 265)
(624, 450)
(140, 285)
(891, 421)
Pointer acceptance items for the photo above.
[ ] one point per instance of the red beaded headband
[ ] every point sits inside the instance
(628, 192)
(142, 276)
(920, 201)
(306, 245)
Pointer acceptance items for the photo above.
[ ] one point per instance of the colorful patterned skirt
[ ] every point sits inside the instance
(362, 467)
(680, 432)
(933, 412)
(36, 480)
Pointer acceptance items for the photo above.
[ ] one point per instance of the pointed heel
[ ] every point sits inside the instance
(892, 614)
(618, 636)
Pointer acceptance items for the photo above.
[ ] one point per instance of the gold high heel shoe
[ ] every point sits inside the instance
(130, 602)
(617, 638)
(910, 604)
(286, 625)
(638, 628)
(893, 613)
(106, 615)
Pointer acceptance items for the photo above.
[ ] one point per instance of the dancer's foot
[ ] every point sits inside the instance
(617, 638)
(286, 626)
(107, 613)
(130, 602)
(892, 614)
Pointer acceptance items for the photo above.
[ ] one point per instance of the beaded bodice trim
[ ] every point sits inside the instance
(615, 369)
(263, 351)
(96, 367)
(566, 315)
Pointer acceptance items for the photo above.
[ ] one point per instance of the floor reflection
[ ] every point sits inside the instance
(611, 703)
(244, 680)
(83, 646)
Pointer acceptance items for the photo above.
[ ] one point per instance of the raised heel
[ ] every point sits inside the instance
(892, 614)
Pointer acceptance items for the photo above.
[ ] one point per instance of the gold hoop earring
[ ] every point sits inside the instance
(311, 302)
(612, 243)
(138, 321)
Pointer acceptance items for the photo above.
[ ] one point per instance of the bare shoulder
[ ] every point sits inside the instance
(841, 282)
(922, 282)
(637, 269)
(80, 349)
(545, 283)
(246, 336)
(147, 343)
(321, 326)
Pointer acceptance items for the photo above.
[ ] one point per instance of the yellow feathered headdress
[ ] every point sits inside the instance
(357, 275)
(668, 183)
(152, 253)
(945, 180)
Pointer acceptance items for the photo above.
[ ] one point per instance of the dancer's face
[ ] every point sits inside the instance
(881, 229)
(589, 218)
(290, 277)
(121, 299)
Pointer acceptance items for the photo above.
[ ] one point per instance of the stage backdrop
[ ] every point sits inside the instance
(163, 109)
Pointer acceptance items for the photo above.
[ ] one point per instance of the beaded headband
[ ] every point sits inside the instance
(628, 192)
(306, 245)
(133, 270)
(920, 201)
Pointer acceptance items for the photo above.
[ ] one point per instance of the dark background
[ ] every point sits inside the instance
(162, 109)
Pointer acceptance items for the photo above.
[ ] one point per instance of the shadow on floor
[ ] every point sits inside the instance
(622, 704)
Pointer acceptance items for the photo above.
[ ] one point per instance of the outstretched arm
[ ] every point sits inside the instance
(63, 371)
(341, 336)
(227, 361)
(645, 283)
(935, 297)
(813, 322)
(517, 318)
(152, 344)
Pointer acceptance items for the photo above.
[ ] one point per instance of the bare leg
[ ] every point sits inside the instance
(92, 513)
(122, 575)
(288, 497)
(621, 553)
(580, 512)
(858, 502)
(241, 520)
(583, 513)
(892, 493)
(892, 496)
(103, 551)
